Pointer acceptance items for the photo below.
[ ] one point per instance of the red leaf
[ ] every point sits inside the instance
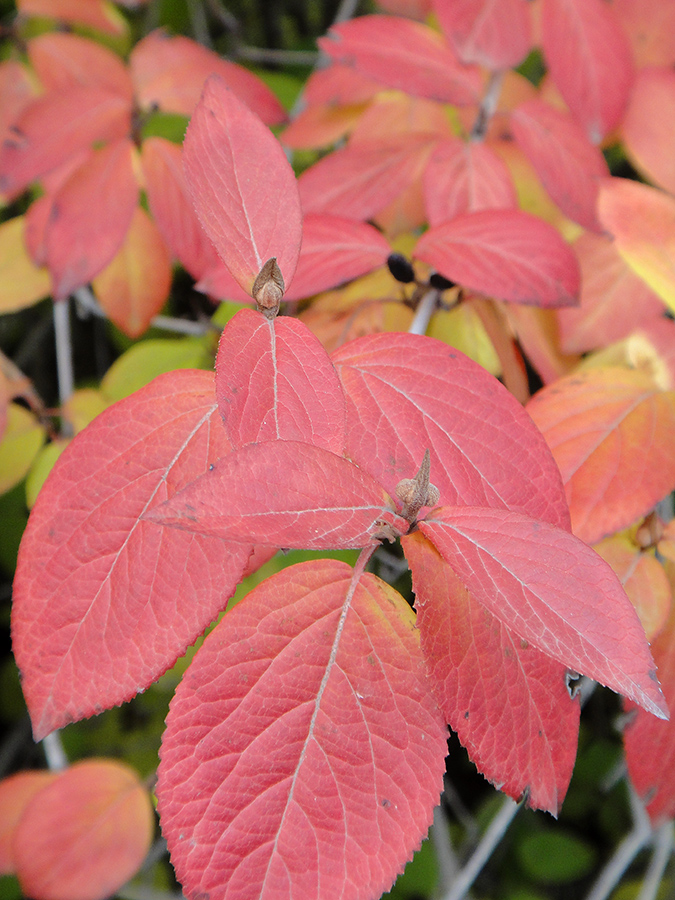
(649, 743)
(274, 381)
(303, 754)
(611, 432)
(335, 250)
(465, 176)
(82, 237)
(589, 60)
(172, 208)
(568, 165)
(405, 55)
(339, 85)
(242, 186)
(57, 126)
(614, 301)
(505, 253)
(218, 283)
(645, 128)
(93, 619)
(359, 180)
(284, 494)
(492, 33)
(85, 834)
(508, 702)
(135, 285)
(169, 73)
(552, 590)
(63, 61)
(484, 449)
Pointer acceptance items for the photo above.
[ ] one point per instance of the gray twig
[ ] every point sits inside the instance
(64, 350)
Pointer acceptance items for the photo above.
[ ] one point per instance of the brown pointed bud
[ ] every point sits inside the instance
(268, 289)
(414, 493)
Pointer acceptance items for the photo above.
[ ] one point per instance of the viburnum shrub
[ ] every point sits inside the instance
(304, 749)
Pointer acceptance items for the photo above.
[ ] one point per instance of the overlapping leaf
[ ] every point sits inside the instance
(82, 237)
(569, 166)
(89, 587)
(169, 72)
(641, 219)
(465, 176)
(56, 127)
(613, 299)
(172, 208)
(611, 432)
(405, 55)
(645, 129)
(284, 494)
(274, 381)
(98, 14)
(62, 61)
(484, 448)
(303, 753)
(552, 590)
(589, 59)
(242, 185)
(135, 285)
(504, 253)
(492, 33)
(507, 702)
(358, 181)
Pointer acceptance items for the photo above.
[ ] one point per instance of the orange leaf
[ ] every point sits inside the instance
(643, 579)
(641, 220)
(611, 433)
(135, 284)
(15, 794)
(85, 834)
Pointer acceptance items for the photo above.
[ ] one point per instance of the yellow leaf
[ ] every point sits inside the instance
(21, 442)
(22, 283)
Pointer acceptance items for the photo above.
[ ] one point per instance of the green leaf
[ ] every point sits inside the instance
(555, 857)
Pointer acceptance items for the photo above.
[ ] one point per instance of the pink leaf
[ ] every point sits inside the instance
(505, 253)
(465, 176)
(105, 602)
(172, 208)
(335, 250)
(303, 754)
(169, 72)
(242, 186)
(357, 181)
(508, 702)
(590, 61)
(492, 33)
(62, 61)
(484, 448)
(552, 590)
(568, 165)
(57, 126)
(274, 381)
(405, 55)
(644, 131)
(284, 494)
(82, 237)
